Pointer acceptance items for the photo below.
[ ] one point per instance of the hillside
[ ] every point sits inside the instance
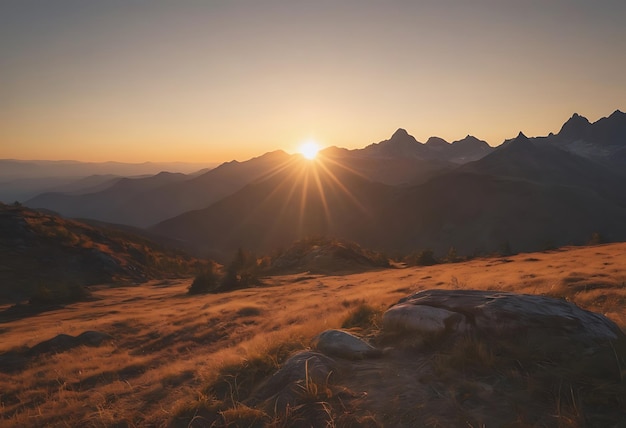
(163, 353)
(39, 249)
(302, 199)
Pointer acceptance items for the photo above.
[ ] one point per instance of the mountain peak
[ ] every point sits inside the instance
(402, 137)
(576, 118)
(437, 142)
(400, 134)
(575, 128)
(521, 141)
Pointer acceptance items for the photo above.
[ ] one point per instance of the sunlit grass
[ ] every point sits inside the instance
(169, 347)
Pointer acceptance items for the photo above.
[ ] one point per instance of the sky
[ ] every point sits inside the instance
(212, 81)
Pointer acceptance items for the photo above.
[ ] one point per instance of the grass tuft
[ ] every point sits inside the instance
(364, 316)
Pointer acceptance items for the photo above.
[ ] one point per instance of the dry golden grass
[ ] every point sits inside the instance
(168, 346)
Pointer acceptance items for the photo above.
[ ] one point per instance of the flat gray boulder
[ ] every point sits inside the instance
(339, 343)
(497, 312)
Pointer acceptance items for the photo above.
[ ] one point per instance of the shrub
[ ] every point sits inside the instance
(52, 294)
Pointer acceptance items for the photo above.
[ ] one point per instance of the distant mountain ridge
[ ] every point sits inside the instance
(11, 169)
(145, 201)
(21, 180)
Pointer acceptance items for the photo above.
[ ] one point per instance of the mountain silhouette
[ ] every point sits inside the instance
(437, 144)
(401, 144)
(534, 160)
(603, 140)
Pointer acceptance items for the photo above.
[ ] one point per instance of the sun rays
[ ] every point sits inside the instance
(308, 197)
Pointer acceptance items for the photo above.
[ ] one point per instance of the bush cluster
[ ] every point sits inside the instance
(242, 272)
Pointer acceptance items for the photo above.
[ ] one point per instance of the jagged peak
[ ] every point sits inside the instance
(576, 126)
(400, 133)
(578, 118)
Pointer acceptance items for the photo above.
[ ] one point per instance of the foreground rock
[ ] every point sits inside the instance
(457, 311)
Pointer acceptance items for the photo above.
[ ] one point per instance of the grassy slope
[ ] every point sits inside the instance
(167, 345)
(39, 249)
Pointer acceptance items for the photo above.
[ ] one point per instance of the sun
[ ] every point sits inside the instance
(309, 149)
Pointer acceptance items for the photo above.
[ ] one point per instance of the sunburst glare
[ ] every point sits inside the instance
(309, 149)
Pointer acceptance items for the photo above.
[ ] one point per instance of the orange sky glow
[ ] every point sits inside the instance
(216, 81)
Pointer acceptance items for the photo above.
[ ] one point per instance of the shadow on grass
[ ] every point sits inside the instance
(20, 311)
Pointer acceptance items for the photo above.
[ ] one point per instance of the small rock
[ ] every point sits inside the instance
(342, 344)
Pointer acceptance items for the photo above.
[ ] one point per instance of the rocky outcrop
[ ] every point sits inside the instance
(498, 313)
(485, 351)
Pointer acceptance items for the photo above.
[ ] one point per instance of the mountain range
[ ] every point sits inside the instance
(397, 195)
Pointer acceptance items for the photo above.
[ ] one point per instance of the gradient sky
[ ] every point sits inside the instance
(219, 80)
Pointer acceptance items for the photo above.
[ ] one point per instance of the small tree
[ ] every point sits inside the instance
(242, 272)
(205, 282)
(452, 256)
(596, 239)
(505, 249)
(423, 258)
